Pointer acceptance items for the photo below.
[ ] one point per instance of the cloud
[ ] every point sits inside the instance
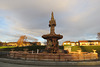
(76, 19)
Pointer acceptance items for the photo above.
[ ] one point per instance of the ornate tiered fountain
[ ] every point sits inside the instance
(52, 49)
(52, 38)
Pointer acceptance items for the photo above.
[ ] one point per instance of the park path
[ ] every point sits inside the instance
(16, 65)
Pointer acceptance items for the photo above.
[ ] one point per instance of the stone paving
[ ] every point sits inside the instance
(46, 63)
(16, 65)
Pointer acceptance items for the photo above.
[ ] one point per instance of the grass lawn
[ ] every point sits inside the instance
(86, 48)
(2, 47)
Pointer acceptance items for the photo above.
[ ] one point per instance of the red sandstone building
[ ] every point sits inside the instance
(82, 43)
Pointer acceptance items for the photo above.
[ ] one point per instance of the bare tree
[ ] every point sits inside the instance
(98, 36)
(1, 44)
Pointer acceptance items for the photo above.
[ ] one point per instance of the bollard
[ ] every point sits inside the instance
(32, 51)
(37, 51)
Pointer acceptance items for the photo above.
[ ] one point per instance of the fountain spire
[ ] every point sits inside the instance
(52, 24)
(52, 16)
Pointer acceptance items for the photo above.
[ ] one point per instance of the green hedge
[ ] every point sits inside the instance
(30, 48)
(86, 48)
(61, 47)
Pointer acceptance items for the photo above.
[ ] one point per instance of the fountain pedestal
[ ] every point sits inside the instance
(52, 38)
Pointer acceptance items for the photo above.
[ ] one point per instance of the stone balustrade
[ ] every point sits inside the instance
(74, 56)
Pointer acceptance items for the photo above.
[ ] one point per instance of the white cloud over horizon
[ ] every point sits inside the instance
(76, 19)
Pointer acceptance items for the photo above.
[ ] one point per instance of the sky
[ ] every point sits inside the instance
(75, 19)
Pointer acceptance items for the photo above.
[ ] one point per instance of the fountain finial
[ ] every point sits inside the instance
(52, 17)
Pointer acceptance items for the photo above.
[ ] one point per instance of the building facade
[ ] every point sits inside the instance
(82, 43)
